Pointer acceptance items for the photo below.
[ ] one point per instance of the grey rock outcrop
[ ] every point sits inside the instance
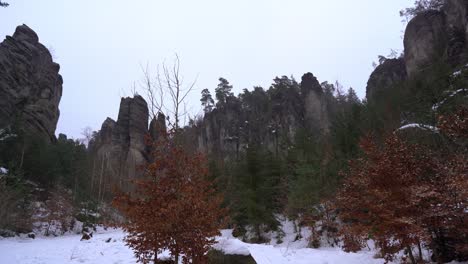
(219, 133)
(30, 84)
(437, 36)
(119, 148)
(266, 119)
(386, 75)
(157, 127)
(456, 12)
(431, 37)
(315, 106)
(425, 40)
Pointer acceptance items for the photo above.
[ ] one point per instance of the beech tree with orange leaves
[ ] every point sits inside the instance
(173, 208)
(376, 199)
(406, 196)
(448, 219)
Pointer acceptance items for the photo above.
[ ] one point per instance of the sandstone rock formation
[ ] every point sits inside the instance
(315, 106)
(269, 119)
(119, 148)
(157, 126)
(425, 40)
(386, 75)
(431, 37)
(434, 36)
(30, 84)
(456, 12)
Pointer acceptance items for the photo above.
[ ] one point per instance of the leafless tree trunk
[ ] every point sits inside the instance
(93, 172)
(100, 178)
(22, 155)
(154, 91)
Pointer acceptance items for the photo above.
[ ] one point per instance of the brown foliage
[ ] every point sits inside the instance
(402, 195)
(60, 212)
(15, 214)
(456, 125)
(174, 207)
(377, 199)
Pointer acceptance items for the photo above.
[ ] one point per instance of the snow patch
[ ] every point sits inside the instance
(421, 126)
(4, 135)
(457, 73)
(436, 106)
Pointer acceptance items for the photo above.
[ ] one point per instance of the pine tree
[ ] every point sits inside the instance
(223, 91)
(206, 100)
(420, 6)
(257, 196)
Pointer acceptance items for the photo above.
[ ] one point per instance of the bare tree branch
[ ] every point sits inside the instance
(168, 82)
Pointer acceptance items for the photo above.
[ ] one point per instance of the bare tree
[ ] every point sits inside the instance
(87, 134)
(154, 91)
(168, 81)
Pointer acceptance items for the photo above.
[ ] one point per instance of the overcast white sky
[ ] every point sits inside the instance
(100, 44)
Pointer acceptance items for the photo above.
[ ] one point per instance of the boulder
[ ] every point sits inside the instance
(30, 84)
(219, 257)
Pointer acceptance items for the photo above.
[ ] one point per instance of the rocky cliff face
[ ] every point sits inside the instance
(267, 119)
(431, 37)
(434, 36)
(315, 106)
(30, 84)
(119, 148)
(425, 40)
(456, 12)
(386, 75)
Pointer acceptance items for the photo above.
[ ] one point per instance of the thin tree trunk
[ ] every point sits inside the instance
(420, 251)
(75, 187)
(92, 175)
(22, 156)
(410, 253)
(100, 179)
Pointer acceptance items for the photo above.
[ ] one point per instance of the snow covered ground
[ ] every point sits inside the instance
(291, 252)
(69, 249)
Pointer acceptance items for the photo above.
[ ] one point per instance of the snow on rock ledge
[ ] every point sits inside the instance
(421, 126)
